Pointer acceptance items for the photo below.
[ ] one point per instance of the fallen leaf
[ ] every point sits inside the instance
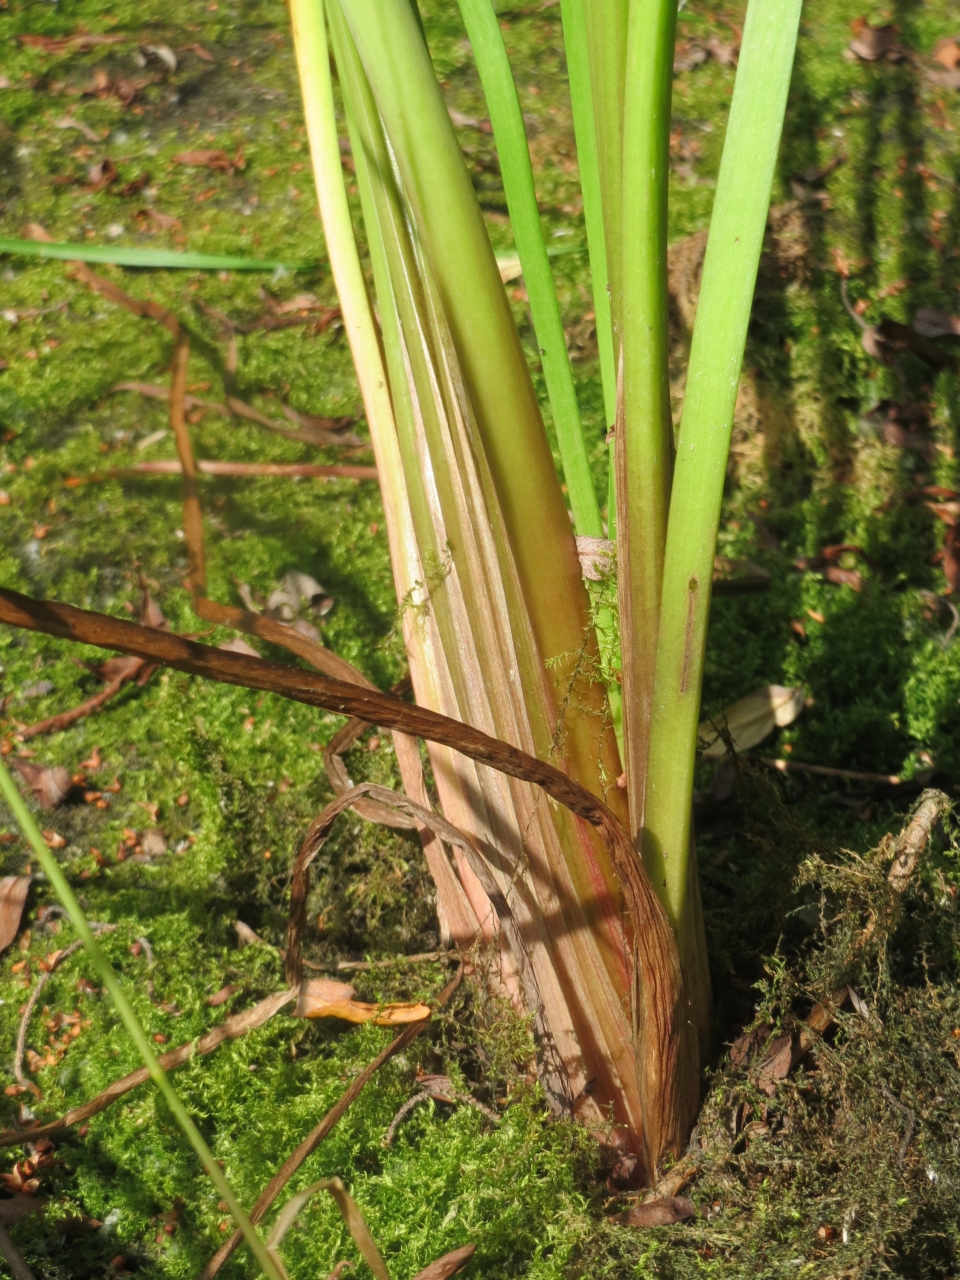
(101, 174)
(726, 54)
(54, 839)
(49, 784)
(947, 52)
(13, 895)
(135, 186)
(162, 221)
(319, 993)
(872, 43)
(509, 266)
(208, 159)
(844, 577)
(688, 55)
(658, 1213)
(751, 719)
(448, 1265)
(199, 50)
(153, 843)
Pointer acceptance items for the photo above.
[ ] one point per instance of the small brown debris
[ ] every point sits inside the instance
(870, 44)
(219, 161)
(13, 895)
(50, 785)
(222, 996)
(658, 1213)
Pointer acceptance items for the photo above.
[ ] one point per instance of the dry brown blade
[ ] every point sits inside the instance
(656, 953)
(54, 724)
(146, 309)
(351, 1214)
(551, 1072)
(236, 1026)
(28, 1009)
(313, 1139)
(308, 470)
(192, 514)
(13, 895)
(448, 1265)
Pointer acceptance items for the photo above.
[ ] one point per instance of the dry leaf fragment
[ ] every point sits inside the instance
(101, 174)
(750, 719)
(947, 52)
(50, 785)
(844, 577)
(238, 645)
(246, 936)
(163, 53)
(53, 839)
(319, 993)
(325, 998)
(688, 55)
(658, 1213)
(872, 43)
(203, 158)
(199, 50)
(448, 1265)
(596, 557)
(13, 895)
(154, 218)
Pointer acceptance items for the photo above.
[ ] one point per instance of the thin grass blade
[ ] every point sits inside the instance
(129, 1018)
(156, 258)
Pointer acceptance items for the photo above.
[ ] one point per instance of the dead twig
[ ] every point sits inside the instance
(825, 771)
(368, 966)
(911, 1118)
(326, 1125)
(172, 467)
(58, 959)
(54, 724)
(437, 1089)
(9, 1250)
(192, 514)
(232, 1029)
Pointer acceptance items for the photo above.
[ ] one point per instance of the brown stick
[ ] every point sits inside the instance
(309, 470)
(657, 975)
(232, 1029)
(9, 1250)
(192, 514)
(148, 309)
(66, 718)
(313, 1140)
(797, 766)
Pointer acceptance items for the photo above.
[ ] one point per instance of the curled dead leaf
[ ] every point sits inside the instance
(870, 43)
(325, 998)
(13, 895)
(658, 1213)
(448, 1265)
(751, 719)
(49, 784)
(205, 158)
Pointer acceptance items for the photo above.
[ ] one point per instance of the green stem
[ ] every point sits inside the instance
(645, 449)
(576, 44)
(129, 1018)
(510, 135)
(716, 356)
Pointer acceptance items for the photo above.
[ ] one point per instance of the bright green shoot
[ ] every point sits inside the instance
(129, 1018)
(477, 519)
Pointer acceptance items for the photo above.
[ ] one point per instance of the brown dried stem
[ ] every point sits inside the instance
(657, 970)
(232, 1029)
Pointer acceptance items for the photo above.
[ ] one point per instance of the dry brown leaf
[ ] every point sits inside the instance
(844, 577)
(596, 557)
(872, 43)
(49, 784)
(101, 174)
(658, 1213)
(219, 161)
(947, 52)
(199, 50)
(319, 993)
(13, 894)
(688, 55)
(154, 218)
(448, 1265)
(753, 718)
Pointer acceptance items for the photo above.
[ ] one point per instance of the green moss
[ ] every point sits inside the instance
(807, 460)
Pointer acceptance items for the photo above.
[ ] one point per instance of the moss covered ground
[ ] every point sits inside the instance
(868, 185)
